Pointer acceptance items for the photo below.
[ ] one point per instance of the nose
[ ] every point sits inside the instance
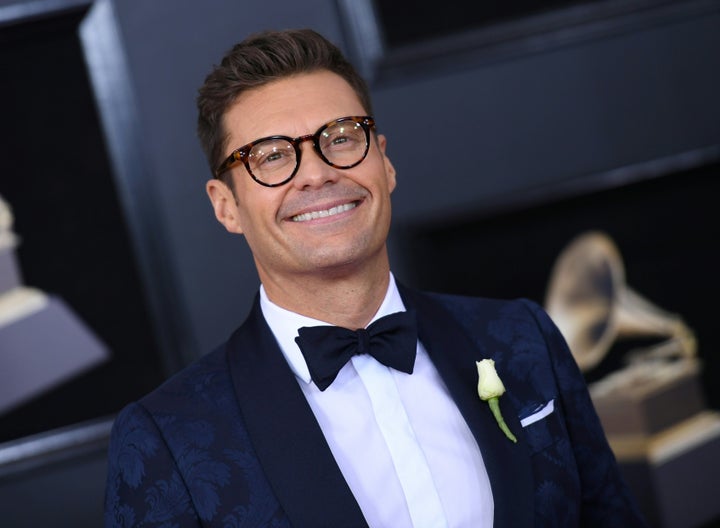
(312, 172)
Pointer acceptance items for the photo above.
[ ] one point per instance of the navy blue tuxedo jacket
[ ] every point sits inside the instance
(230, 441)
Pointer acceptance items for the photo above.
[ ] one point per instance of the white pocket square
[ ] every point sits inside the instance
(539, 414)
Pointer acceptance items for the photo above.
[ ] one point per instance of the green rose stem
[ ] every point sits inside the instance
(495, 408)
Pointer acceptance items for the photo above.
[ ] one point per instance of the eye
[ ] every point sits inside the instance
(273, 156)
(342, 137)
(269, 155)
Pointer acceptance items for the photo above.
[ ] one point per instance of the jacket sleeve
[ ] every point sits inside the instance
(606, 501)
(144, 486)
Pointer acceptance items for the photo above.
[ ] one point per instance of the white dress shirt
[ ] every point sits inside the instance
(399, 440)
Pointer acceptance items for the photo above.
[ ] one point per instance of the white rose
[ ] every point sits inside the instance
(489, 383)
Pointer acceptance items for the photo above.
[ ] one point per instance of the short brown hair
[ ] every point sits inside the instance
(260, 59)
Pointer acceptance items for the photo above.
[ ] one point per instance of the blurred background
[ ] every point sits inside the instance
(513, 128)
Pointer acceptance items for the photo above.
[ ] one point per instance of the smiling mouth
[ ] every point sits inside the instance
(314, 215)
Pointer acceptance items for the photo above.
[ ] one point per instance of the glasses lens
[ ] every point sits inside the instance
(272, 161)
(344, 144)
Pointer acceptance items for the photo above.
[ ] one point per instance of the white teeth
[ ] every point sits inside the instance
(325, 212)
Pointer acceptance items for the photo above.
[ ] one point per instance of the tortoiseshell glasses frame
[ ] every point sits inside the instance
(274, 160)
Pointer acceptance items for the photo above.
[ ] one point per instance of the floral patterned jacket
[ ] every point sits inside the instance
(230, 441)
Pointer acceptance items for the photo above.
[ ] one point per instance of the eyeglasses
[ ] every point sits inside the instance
(274, 160)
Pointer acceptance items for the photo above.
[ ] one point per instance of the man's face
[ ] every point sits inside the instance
(286, 242)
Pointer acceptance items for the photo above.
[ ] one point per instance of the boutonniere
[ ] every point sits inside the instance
(490, 388)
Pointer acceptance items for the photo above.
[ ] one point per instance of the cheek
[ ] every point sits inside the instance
(258, 211)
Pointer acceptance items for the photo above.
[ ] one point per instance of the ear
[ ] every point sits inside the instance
(224, 205)
(389, 168)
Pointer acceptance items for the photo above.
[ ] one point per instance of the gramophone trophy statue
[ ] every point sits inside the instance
(652, 408)
(43, 343)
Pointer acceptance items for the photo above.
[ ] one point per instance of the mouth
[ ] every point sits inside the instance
(324, 213)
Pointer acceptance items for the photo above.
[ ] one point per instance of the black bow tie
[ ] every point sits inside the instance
(392, 340)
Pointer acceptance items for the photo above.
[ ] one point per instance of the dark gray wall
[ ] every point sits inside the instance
(541, 119)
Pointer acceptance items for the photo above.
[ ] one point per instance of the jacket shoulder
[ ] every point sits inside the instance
(470, 310)
(181, 455)
(197, 385)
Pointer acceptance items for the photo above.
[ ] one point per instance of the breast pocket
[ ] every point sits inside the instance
(543, 426)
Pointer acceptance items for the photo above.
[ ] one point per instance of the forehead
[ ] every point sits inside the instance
(291, 106)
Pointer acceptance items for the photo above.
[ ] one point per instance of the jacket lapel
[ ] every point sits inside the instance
(288, 440)
(454, 355)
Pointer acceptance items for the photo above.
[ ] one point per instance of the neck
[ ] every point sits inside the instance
(349, 300)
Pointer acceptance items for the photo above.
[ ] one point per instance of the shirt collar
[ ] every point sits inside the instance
(284, 325)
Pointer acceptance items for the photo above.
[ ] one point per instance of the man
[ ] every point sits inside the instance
(264, 432)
